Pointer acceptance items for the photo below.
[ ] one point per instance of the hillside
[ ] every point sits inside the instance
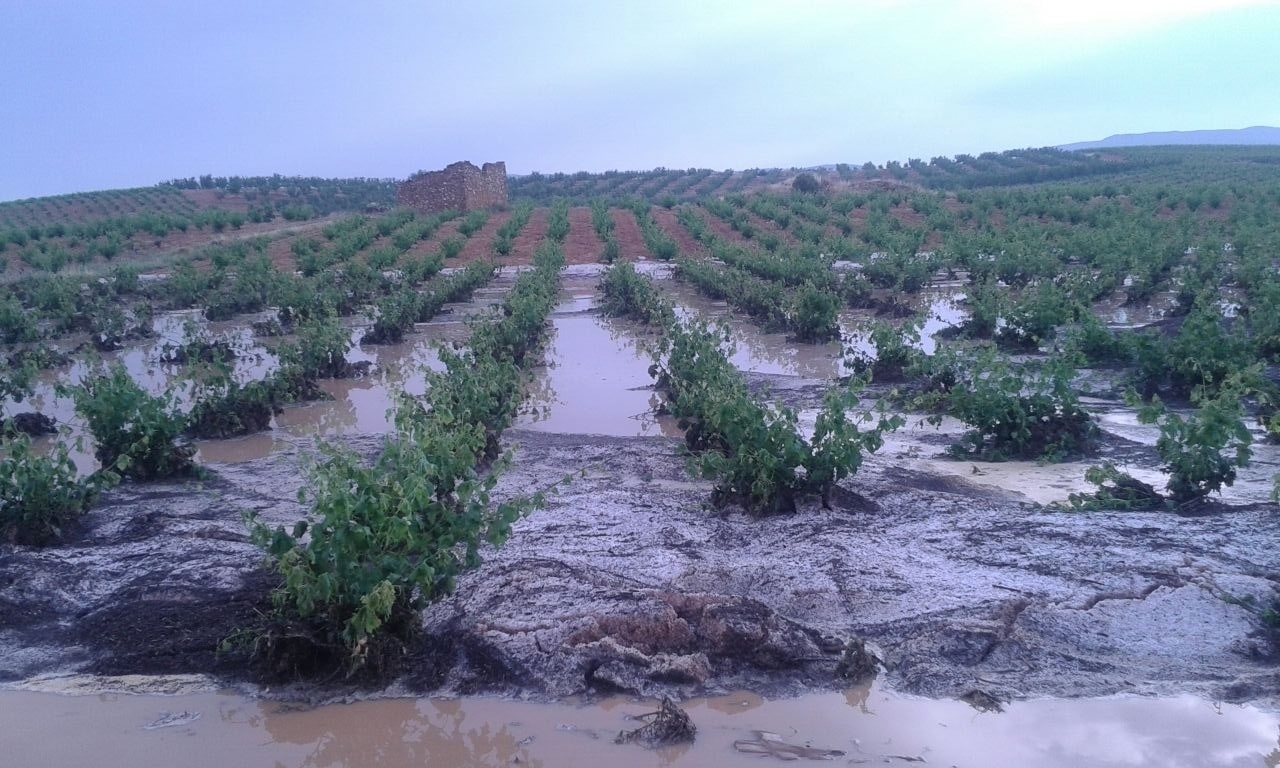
(1253, 136)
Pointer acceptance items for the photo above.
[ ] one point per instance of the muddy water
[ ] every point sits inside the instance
(359, 405)
(922, 446)
(864, 726)
(596, 380)
(773, 353)
(756, 350)
(1116, 311)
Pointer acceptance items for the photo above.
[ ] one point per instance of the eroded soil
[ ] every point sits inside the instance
(629, 582)
(626, 582)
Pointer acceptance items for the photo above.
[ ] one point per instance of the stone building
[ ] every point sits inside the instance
(459, 187)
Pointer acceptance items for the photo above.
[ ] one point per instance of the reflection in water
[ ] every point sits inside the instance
(869, 724)
(755, 350)
(596, 380)
(360, 405)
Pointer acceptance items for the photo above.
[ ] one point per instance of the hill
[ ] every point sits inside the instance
(1253, 136)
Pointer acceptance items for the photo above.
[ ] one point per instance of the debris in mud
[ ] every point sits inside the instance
(172, 719)
(669, 724)
(856, 663)
(772, 745)
(982, 701)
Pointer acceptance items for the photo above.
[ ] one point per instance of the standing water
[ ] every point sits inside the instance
(858, 727)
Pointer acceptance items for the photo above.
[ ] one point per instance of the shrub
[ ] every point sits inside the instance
(16, 324)
(623, 292)
(806, 183)
(815, 314)
(136, 434)
(451, 247)
(473, 223)
(1025, 412)
(894, 350)
(558, 226)
(41, 495)
(1201, 452)
(384, 539)
(321, 348)
(223, 408)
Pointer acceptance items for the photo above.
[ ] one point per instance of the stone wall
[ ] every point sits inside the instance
(459, 187)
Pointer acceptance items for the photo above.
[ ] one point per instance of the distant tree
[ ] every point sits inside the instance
(806, 182)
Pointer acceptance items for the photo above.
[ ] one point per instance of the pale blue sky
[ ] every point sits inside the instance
(113, 94)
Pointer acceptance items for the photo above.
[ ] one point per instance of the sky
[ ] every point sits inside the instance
(120, 94)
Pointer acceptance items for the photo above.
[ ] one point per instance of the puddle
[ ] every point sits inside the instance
(360, 405)
(597, 379)
(920, 446)
(760, 352)
(1117, 313)
(866, 726)
(944, 311)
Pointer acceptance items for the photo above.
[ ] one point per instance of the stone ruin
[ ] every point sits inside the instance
(459, 187)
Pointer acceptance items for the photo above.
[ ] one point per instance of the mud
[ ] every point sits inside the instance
(627, 582)
(596, 377)
(860, 726)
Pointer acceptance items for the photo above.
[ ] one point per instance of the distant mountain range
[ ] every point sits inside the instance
(1258, 134)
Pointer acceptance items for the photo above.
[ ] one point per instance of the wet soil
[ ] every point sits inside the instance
(582, 245)
(627, 232)
(628, 582)
(668, 221)
(526, 242)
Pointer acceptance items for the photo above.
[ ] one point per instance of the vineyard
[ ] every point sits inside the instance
(640, 432)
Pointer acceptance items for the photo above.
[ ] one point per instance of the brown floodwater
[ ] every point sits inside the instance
(596, 377)
(359, 405)
(866, 726)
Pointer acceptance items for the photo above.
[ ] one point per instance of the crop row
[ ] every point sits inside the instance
(386, 537)
(756, 452)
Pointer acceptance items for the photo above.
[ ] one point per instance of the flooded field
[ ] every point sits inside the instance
(856, 727)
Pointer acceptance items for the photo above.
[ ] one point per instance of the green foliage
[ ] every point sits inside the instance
(756, 452)
(506, 236)
(895, 350)
(225, 408)
(135, 434)
(623, 292)
(558, 225)
(384, 538)
(473, 223)
(321, 349)
(1035, 316)
(1017, 412)
(41, 495)
(16, 324)
(658, 242)
(1115, 490)
(1202, 451)
(451, 247)
(815, 314)
(1204, 354)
